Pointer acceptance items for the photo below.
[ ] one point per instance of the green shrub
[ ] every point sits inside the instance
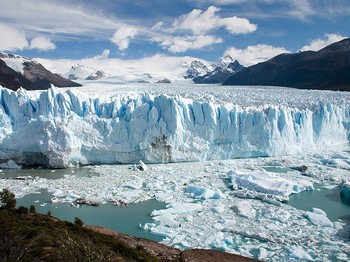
(32, 209)
(78, 222)
(22, 210)
(7, 199)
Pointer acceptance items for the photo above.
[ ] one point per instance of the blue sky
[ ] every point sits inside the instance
(252, 31)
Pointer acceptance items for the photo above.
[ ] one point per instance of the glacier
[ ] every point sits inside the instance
(64, 127)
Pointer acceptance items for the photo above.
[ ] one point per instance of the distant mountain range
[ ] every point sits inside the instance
(81, 72)
(327, 69)
(213, 74)
(18, 71)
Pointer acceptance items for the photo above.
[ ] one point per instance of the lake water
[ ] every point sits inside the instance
(127, 219)
(121, 219)
(328, 200)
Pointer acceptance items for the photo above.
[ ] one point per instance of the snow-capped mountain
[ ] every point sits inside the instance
(226, 67)
(18, 71)
(197, 68)
(81, 72)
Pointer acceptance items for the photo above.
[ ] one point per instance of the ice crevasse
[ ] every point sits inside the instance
(59, 128)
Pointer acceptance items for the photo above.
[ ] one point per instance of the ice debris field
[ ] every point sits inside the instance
(249, 143)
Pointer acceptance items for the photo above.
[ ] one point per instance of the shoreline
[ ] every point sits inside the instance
(166, 253)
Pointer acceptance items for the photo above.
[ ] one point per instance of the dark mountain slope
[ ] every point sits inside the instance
(28, 74)
(328, 69)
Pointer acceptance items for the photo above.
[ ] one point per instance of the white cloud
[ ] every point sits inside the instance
(318, 44)
(158, 26)
(42, 43)
(252, 55)
(122, 37)
(301, 9)
(12, 39)
(201, 22)
(56, 17)
(158, 65)
(183, 43)
(104, 55)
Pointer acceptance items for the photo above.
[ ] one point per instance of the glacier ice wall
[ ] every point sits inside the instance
(61, 128)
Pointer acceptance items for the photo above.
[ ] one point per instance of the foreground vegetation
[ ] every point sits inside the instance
(28, 236)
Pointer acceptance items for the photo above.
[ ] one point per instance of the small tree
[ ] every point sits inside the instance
(78, 222)
(32, 209)
(7, 199)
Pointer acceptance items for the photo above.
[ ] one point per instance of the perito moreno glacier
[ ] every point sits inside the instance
(63, 127)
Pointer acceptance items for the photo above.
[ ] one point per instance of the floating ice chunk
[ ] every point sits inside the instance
(203, 193)
(243, 208)
(218, 209)
(142, 166)
(262, 253)
(148, 226)
(267, 183)
(176, 208)
(298, 253)
(58, 193)
(134, 184)
(10, 164)
(318, 217)
(72, 197)
(345, 190)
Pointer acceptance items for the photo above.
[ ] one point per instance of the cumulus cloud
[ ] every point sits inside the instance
(104, 55)
(318, 44)
(183, 43)
(122, 37)
(252, 55)
(42, 43)
(12, 39)
(201, 22)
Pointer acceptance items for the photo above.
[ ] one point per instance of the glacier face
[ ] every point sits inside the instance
(59, 128)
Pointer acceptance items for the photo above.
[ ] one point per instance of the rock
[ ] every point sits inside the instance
(83, 201)
(164, 81)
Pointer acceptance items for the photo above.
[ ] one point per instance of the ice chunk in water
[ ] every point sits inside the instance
(318, 217)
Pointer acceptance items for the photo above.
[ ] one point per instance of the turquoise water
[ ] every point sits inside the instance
(121, 219)
(328, 200)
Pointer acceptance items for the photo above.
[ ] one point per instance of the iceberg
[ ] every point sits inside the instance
(267, 185)
(61, 128)
(318, 217)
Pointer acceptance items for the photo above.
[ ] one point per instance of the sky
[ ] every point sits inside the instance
(89, 30)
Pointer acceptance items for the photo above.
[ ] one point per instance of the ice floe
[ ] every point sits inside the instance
(203, 210)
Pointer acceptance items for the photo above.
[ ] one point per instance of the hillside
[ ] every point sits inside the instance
(327, 69)
(28, 236)
(17, 71)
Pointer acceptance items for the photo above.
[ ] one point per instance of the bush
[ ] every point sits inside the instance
(78, 222)
(32, 209)
(22, 210)
(7, 199)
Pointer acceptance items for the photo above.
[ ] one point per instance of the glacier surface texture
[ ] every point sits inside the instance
(60, 128)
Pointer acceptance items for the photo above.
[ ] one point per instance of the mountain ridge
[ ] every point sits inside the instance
(18, 71)
(326, 69)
